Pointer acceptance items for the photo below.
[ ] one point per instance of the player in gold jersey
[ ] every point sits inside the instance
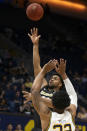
(60, 119)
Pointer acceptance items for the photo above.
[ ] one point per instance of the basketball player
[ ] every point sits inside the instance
(59, 82)
(60, 119)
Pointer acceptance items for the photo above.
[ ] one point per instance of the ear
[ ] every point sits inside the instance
(60, 85)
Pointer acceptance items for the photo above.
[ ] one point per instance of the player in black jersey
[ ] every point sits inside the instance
(58, 81)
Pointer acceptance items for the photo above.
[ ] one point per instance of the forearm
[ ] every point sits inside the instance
(71, 91)
(37, 101)
(38, 81)
(36, 60)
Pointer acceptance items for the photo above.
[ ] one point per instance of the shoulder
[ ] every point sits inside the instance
(72, 109)
(69, 116)
(67, 113)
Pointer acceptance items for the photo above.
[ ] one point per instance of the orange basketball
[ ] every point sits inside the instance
(35, 11)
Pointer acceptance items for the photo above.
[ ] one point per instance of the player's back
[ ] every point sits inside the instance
(61, 122)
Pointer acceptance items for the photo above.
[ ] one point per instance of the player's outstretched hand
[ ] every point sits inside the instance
(61, 67)
(34, 36)
(50, 66)
(27, 96)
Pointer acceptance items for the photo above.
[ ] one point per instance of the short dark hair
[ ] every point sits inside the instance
(60, 100)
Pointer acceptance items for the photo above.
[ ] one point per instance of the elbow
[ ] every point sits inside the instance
(35, 93)
(34, 90)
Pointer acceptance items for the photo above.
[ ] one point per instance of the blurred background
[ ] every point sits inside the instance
(63, 32)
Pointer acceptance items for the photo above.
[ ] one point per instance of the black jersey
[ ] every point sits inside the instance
(46, 92)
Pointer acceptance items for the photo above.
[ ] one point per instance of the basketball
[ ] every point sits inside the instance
(35, 11)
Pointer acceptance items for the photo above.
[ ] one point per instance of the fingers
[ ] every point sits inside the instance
(53, 63)
(31, 31)
(60, 65)
(50, 61)
(37, 31)
(62, 61)
(29, 35)
(25, 92)
(56, 68)
(34, 31)
(26, 96)
(39, 36)
(26, 101)
(57, 64)
(34, 35)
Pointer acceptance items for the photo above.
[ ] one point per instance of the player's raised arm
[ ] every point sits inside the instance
(36, 57)
(38, 103)
(61, 69)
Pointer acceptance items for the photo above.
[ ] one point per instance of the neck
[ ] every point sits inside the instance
(56, 89)
(59, 111)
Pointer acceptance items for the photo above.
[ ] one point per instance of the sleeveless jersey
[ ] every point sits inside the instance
(45, 92)
(61, 122)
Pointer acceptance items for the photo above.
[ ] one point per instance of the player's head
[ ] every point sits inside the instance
(60, 100)
(57, 82)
